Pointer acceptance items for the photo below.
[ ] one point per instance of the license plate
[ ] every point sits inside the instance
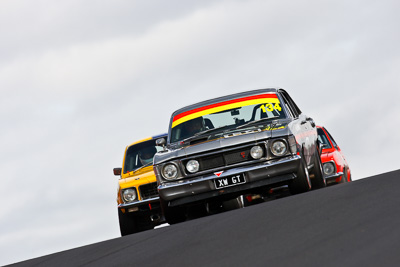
(229, 181)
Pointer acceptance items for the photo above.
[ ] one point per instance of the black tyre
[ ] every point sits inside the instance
(173, 215)
(127, 224)
(344, 177)
(233, 204)
(319, 180)
(302, 182)
(133, 223)
(197, 211)
(214, 207)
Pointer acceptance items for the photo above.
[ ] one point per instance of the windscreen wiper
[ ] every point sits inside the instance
(257, 121)
(145, 165)
(201, 135)
(191, 138)
(211, 130)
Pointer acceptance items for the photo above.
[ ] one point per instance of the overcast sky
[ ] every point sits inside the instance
(80, 80)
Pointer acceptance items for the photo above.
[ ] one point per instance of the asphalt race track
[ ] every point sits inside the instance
(353, 224)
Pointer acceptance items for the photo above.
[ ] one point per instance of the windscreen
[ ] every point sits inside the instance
(140, 155)
(226, 115)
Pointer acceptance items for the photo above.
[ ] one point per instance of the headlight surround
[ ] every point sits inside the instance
(329, 168)
(192, 166)
(170, 171)
(278, 148)
(256, 152)
(129, 195)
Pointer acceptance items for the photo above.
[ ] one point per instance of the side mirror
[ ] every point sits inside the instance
(322, 146)
(161, 142)
(117, 171)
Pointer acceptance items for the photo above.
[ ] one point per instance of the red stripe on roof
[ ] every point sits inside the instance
(183, 114)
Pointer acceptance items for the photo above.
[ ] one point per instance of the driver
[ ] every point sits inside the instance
(146, 155)
(193, 126)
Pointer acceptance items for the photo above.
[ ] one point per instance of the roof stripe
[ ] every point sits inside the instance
(226, 105)
(223, 103)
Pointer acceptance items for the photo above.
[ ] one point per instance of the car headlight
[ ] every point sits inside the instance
(329, 168)
(170, 171)
(278, 148)
(256, 152)
(129, 195)
(192, 166)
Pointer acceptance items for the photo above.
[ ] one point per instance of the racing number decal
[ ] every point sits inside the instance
(271, 107)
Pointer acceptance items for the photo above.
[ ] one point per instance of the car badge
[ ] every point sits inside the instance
(243, 154)
(218, 173)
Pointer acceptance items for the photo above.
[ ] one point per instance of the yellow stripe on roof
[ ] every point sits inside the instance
(225, 107)
(140, 141)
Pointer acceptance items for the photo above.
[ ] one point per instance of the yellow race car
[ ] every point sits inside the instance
(138, 202)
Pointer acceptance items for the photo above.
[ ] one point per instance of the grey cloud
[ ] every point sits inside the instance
(43, 25)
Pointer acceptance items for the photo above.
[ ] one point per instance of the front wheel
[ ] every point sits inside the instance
(133, 223)
(233, 204)
(173, 215)
(127, 224)
(344, 176)
(302, 182)
(319, 180)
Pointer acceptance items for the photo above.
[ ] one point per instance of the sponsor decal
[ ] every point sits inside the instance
(269, 128)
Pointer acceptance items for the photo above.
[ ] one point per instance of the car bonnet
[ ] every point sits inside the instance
(225, 141)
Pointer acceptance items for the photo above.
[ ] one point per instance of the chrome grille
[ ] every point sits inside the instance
(237, 156)
(219, 160)
(211, 162)
(148, 190)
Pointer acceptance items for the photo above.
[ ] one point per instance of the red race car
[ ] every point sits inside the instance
(335, 167)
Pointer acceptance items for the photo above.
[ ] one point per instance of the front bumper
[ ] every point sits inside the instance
(265, 173)
(333, 178)
(141, 204)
